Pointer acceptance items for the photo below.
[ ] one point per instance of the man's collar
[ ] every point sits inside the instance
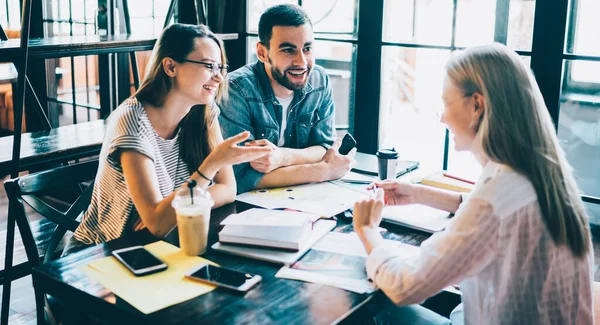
(265, 82)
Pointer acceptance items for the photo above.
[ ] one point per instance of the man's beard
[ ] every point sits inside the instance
(282, 78)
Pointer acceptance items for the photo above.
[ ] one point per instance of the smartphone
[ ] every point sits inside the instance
(348, 143)
(224, 277)
(139, 261)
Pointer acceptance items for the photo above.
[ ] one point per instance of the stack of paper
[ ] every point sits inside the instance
(268, 228)
(321, 228)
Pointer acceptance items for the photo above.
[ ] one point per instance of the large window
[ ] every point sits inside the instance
(418, 38)
(10, 15)
(579, 120)
(75, 97)
(334, 23)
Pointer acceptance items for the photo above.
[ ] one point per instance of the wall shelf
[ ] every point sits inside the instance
(62, 46)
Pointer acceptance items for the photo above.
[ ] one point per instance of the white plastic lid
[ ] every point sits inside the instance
(184, 198)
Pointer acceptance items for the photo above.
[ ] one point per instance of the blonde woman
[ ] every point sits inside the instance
(519, 244)
(166, 132)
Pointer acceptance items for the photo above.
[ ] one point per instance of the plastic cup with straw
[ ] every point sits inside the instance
(192, 206)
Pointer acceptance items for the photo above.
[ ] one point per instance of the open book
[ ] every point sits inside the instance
(287, 230)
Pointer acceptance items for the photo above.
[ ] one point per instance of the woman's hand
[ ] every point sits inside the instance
(229, 153)
(396, 192)
(367, 213)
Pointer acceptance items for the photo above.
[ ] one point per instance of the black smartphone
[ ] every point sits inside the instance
(139, 261)
(224, 277)
(348, 143)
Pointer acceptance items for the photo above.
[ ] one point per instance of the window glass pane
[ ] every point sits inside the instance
(332, 16)
(527, 60)
(585, 71)
(61, 29)
(584, 30)
(60, 9)
(475, 22)
(146, 25)
(10, 15)
(520, 24)
(579, 134)
(506, 21)
(463, 163)
(161, 7)
(77, 10)
(140, 8)
(257, 7)
(337, 59)
(411, 89)
(423, 22)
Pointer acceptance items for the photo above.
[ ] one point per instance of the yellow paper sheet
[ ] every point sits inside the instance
(151, 292)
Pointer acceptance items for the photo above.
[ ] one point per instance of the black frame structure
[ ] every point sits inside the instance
(35, 51)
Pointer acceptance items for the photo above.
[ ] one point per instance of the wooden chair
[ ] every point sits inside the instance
(30, 190)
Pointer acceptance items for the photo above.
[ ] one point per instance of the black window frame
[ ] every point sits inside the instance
(592, 89)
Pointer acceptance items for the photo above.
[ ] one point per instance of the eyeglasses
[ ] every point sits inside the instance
(442, 106)
(213, 67)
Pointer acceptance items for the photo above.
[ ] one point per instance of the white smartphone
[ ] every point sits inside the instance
(224, 277)
(139, 261)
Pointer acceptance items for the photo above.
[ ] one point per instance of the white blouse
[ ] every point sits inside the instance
(500, 251)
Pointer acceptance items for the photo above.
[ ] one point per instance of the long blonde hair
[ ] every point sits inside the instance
(177, 41)
(516, 130)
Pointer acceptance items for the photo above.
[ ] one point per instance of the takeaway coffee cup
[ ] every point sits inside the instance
(387, 160)
(192, 206)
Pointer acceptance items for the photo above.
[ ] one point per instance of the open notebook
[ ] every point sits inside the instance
(418, 217)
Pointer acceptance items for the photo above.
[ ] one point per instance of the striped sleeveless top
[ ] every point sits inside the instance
(111, 213)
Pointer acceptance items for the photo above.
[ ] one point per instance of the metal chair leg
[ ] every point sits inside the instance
(8, 259)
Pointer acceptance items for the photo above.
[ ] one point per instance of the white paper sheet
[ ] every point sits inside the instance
(323, 199)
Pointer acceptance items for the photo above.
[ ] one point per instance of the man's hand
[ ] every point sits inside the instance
(337, 165)
(274, 159)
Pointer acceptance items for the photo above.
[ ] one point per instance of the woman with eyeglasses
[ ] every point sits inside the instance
(519, 244)
(166, 132)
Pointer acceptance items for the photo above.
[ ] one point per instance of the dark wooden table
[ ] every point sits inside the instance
(274, 300)
(60, 144)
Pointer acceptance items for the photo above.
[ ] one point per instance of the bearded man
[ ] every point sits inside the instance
(285, 100)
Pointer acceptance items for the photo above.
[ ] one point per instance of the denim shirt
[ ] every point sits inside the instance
(252, 106)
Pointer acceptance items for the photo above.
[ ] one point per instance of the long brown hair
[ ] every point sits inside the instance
(198, 134)
(516, 130)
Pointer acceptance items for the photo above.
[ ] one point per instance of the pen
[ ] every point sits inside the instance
(356, 181)
(459, 179)
(375, 190)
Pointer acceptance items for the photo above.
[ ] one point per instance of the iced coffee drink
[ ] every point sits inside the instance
(193, 220)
